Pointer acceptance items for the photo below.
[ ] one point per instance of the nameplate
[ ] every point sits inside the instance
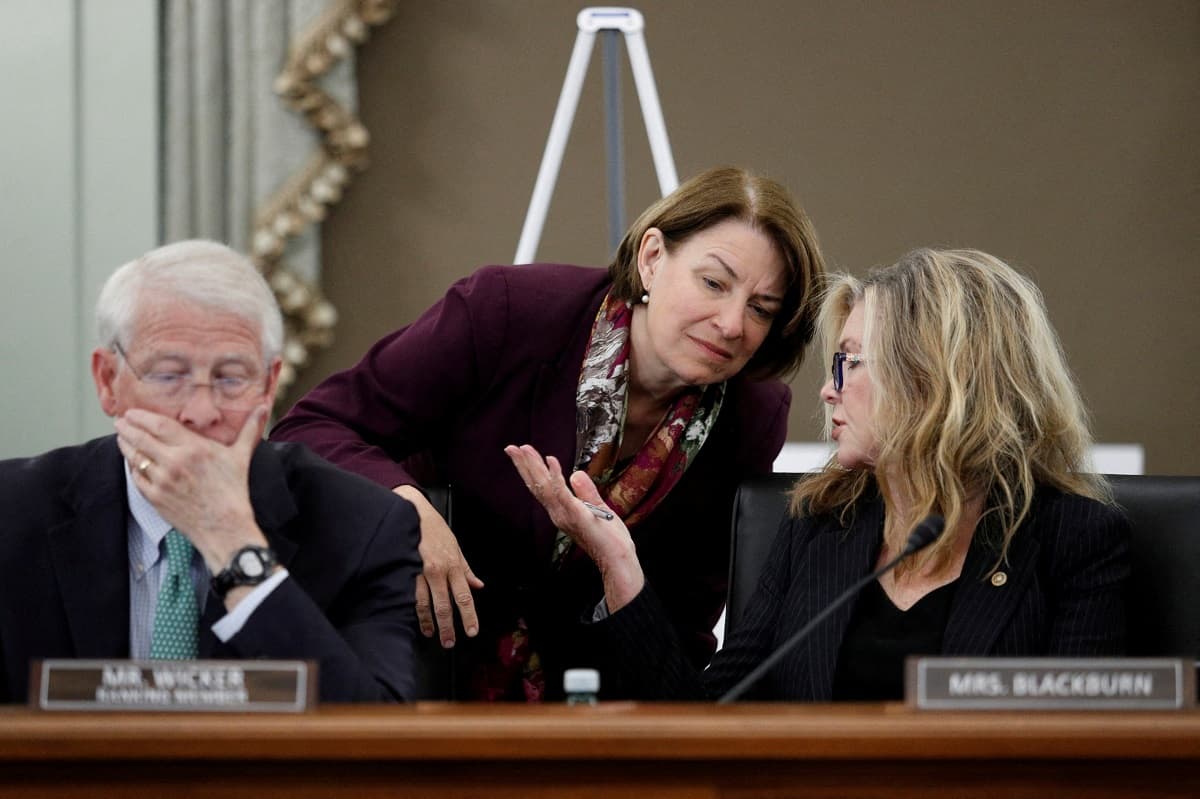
(942, 683)
(268, 686)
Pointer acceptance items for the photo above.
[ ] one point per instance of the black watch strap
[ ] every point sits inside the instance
(251, 565)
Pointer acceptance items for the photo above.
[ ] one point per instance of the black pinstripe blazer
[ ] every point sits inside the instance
(1066, 571)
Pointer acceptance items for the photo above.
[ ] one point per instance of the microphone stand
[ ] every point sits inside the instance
(927, 532)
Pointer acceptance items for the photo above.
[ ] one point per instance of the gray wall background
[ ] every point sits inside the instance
(1061, 136)
(78, 197)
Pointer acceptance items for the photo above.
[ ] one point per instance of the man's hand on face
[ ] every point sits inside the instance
(200, 486)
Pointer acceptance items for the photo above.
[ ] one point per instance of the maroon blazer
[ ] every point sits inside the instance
(496, 361)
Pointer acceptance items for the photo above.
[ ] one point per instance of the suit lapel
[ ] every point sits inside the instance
(272, 499)
(274, 508)
(837, 559)
(90, 555)
(981, 608)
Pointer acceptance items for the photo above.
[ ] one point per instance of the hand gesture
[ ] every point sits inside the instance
(606, 541)
(200, 486)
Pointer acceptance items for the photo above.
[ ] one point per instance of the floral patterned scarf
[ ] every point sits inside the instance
(633, 489)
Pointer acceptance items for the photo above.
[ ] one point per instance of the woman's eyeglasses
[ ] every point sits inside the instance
(838, 368)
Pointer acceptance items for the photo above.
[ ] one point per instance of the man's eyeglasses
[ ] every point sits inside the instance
(838, 368)
(177, 387)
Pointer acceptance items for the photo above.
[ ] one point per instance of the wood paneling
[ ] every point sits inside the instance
(616, 749)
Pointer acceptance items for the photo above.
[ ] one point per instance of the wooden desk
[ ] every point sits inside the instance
(627, 750)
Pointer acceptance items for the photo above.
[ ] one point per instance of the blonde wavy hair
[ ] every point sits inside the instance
(971, 391)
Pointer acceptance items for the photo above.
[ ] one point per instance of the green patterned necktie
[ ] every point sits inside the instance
(177, 616)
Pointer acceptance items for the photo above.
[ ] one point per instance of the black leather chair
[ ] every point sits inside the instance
(1164, 592)
(758, 507)
(1164, 595)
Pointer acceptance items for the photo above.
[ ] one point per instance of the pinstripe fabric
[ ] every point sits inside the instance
(1066, 572)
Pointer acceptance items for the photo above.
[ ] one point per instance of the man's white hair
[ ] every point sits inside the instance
(203, 272)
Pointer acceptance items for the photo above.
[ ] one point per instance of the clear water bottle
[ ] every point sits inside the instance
(581, 686)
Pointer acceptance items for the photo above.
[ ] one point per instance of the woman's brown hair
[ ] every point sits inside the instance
(733, 193)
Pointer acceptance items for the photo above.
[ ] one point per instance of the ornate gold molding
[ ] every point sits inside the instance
(307, 196)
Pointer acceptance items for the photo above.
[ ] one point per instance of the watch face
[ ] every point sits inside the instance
(250, 564)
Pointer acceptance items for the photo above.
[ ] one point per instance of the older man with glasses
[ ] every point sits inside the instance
(185, 535)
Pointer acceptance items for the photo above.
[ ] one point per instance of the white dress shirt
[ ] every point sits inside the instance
(147, 566)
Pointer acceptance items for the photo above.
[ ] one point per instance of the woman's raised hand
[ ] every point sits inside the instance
(606, 541)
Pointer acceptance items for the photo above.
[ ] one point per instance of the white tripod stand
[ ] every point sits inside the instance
(590, 20)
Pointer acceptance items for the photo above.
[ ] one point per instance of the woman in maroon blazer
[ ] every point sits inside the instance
(655, 377)
(949, 395)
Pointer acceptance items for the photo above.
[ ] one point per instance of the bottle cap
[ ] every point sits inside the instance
(581, 681)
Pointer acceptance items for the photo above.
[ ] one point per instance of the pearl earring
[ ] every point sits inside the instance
(645, 298)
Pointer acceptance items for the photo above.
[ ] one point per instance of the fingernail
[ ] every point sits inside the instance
(447, 643)
(472, 630)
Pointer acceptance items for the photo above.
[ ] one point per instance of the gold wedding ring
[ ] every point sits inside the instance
(143, 466)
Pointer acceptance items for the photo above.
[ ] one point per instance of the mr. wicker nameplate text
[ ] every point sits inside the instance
(274, 686)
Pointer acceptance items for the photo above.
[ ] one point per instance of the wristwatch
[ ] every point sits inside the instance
(251, 565)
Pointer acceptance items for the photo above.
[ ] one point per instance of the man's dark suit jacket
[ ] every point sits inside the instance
(496, 362)
(1066, 572)
(350, 549)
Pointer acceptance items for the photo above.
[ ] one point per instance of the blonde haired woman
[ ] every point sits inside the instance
(949, 394)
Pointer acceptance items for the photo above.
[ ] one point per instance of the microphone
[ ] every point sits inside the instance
(924, 534)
